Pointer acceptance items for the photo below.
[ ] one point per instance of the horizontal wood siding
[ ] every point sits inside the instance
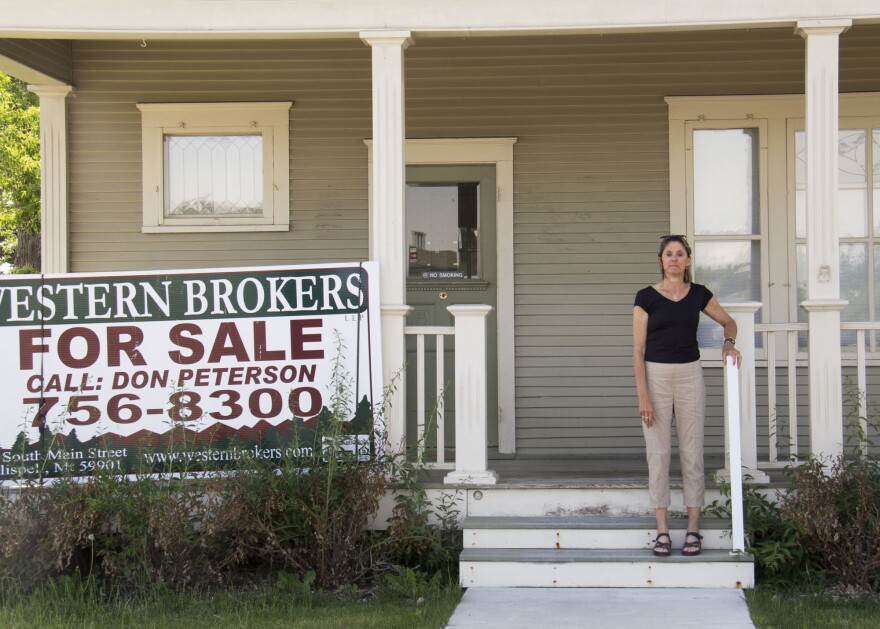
(45, 55)
(591, 176)
(330, 84)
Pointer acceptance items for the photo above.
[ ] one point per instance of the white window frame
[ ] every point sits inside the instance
(271, 120)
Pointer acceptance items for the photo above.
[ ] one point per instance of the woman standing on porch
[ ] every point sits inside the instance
(669, 379)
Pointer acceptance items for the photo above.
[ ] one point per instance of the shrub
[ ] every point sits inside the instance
(837, 514)
(311, 518)
(770, 538)
(123, 533)
(423, 536)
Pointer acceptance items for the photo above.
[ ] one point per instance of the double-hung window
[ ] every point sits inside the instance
(215, 166)
(726, 192)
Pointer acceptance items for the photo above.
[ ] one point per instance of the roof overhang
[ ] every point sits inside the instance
(289, 19)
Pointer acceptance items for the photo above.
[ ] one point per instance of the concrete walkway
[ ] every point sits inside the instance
(597, 608)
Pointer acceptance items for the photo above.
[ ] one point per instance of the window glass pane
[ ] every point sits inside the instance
(732, 271)
(800, 213)
(851, 156)
(854, 280)
(726, 181)
(853, 287)
(876, 156)
(801, 254)
(876, 280)
(443, 224)
(876, 181)
(213, 175)
(853, 206)
(876, 207)
(800, 157)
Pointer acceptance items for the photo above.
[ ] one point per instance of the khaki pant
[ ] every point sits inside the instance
(677, 390)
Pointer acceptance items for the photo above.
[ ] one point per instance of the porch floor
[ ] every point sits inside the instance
(617, 471)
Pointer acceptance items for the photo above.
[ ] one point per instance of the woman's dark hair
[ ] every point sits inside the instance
(664, 242)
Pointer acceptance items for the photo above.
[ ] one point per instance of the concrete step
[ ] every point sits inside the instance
(532, 567)
(573, 532)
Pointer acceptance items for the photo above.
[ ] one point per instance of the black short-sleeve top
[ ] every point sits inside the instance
(672, 325)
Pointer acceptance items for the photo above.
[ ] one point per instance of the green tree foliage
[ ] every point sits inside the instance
(19, 174)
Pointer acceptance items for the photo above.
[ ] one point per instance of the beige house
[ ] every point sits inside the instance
(516, 164)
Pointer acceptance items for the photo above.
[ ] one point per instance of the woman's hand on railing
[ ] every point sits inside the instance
(729, 351)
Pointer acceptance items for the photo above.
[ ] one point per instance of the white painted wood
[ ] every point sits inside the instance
(563, 538)
(53, 176)
(733, 381)
(439, 333)
(862, 374)
(862, 382)
(744, 315)
(826, 396)
(387, 216)
(471, 458)
(823, 262)
(393, 358)
(772, 427)
(619, 569)
(237, 18)
(440, 368)
(792, 394)
(429, 330)
(420, 394)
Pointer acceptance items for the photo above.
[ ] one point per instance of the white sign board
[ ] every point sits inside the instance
(115, 370)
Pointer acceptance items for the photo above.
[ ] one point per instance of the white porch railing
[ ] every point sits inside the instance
(772, 334)
(420, 333)
(470, 386)
(861, 328)
(734, 463)
(784, 350)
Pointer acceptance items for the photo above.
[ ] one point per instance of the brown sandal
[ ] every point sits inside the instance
(691, 549)
(663, 549)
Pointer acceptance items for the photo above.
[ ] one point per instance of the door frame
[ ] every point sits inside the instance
(482, 151)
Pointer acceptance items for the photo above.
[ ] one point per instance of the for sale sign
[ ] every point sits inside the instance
(182, 369)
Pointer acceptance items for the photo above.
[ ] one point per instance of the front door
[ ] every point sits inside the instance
(450, 222)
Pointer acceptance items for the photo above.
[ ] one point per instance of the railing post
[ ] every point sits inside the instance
(744, 315)
(471, 429)
(732, 411)
(393, 360)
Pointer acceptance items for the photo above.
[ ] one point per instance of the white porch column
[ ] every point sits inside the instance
(744, 315)
(823, 256)
(387, 220)
(53, 176)
(471, 382)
